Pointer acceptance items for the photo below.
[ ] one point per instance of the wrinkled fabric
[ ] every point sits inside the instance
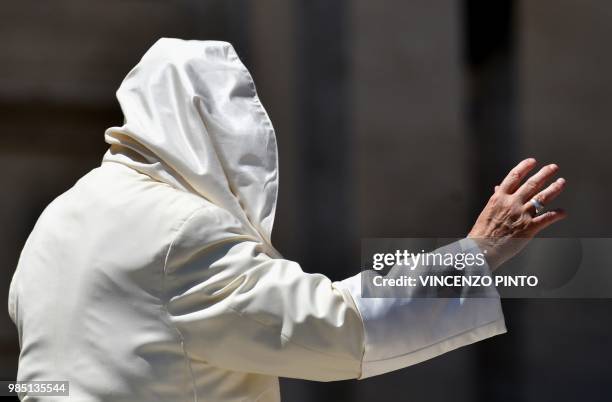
(154, 278)
(193, 120)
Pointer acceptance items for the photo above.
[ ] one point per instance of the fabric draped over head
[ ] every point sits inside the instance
(193, 120)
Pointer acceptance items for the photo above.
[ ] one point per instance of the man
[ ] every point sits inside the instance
(154, 278)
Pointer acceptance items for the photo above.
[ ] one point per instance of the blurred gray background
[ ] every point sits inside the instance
(393, 118)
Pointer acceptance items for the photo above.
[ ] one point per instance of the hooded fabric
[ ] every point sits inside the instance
(193, 120)
(153, 277)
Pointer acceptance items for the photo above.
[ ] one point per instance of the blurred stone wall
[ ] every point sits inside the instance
(410, 148)
(566, 102)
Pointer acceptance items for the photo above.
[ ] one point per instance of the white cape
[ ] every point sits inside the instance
(154, 278)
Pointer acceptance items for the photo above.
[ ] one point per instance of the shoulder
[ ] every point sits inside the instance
(167, 216)
(202, 229)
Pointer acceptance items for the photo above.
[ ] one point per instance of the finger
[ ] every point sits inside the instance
(543, 221)
(495, 189)
(548, 194)
(536, 182)
(516, 175)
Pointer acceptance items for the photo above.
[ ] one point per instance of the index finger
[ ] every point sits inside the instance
(516, 175)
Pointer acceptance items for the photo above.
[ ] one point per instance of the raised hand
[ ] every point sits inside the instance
(514, 213)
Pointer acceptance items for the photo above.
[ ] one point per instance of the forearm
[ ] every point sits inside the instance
(401, 331)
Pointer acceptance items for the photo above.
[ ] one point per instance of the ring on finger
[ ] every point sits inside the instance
(538, 206)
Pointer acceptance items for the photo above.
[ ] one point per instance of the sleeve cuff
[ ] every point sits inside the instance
(400, 332)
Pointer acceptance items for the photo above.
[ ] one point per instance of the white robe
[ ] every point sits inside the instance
(154, 277)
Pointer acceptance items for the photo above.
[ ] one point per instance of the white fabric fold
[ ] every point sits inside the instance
(193, 120)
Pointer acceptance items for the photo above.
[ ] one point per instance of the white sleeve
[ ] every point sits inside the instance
(400, 332)
(236, 308)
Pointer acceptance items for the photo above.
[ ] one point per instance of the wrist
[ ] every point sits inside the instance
(487, 247)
